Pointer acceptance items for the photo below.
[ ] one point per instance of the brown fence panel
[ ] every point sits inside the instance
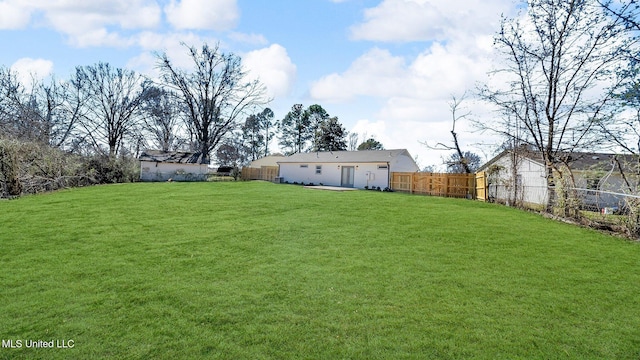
(481, 186)
(402, 181)
(268, 173)
(435, 184)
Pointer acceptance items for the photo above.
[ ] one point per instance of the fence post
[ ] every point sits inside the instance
(411, 183)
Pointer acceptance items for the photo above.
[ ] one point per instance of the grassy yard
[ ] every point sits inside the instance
(264, 271)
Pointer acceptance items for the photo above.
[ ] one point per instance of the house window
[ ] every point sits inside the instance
(383, 167)
(304, 166)
(318, 169)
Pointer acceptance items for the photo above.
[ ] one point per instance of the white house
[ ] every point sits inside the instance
(519, 177)
(357, 169)
(158, 165)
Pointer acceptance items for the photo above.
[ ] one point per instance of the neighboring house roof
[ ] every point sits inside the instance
(575, 160)
(363, 156)
(180, 157)
(271, 160)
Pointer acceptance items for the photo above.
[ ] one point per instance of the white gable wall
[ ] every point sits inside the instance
(530, 182)
(403, 163)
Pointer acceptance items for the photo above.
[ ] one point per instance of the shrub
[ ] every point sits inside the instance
(107, 170)
(31, 167)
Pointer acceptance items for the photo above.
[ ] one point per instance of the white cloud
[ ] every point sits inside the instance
(86, 23)
(427, 20)
(273, 67)
(203, 14)
(32, 69)
(376, 73)
(370, 129)
(13, 15)
(415, 93)
(252, 39)
(436, 73)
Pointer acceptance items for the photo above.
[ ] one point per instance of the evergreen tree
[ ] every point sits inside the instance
(295, 130)
(371, 144)
(253, 137)
(267, 126)
(331, 136)
(317, 116)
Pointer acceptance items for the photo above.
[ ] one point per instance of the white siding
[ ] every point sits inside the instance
(529, 186)
(158, 171)
(403, 163)
(365, 174)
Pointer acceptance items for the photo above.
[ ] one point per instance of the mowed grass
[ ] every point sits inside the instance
(263, 271)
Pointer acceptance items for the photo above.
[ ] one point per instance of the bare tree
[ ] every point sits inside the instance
(460, 159)
(468, 163)
(161, 118)
(112, 100)
(42, 111)
(215, 94)
(352, 139)
(556, 78)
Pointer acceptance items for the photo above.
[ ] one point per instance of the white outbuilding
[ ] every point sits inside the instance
(355, 169)
(158, 165)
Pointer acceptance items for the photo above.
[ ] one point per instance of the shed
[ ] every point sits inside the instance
(356, 169)
(159, 165)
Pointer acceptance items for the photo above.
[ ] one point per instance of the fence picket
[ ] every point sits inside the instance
(268, 173)
(435, 184)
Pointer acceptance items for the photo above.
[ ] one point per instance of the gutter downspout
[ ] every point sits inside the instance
(388, 175)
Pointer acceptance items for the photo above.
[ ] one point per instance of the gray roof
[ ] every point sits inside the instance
(363, 156)
(271, 160)
(181, 157)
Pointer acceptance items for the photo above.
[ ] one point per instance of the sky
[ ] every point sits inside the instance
(387, 69)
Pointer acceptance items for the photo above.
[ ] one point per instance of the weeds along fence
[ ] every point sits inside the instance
(268, 173)
(435, 184)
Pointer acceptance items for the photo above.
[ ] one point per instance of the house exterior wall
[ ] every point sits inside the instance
(528, 186)
(365, 174)
(162, 171)
(403, 163)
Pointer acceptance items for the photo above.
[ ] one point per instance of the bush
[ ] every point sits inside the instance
(30, 167)
(107, 170)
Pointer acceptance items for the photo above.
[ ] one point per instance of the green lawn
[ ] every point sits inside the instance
(251, 270)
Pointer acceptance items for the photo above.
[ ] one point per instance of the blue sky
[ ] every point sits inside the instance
(387, 68)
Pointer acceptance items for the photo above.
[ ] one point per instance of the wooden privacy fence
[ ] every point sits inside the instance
(435, 184)
(481, 186)
(268, 173)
